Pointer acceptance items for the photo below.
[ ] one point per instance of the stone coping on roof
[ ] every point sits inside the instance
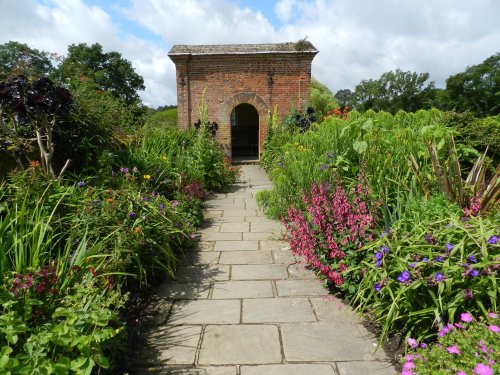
(240, 49)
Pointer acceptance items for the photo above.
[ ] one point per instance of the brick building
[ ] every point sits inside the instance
(241, 83)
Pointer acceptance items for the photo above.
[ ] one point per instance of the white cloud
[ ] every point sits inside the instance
(357, 39)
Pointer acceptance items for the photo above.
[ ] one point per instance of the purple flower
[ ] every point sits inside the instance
(449, 247)
(424, 260)
(379, 255)
(423, 345)
(377, 287)
(412, 343)
(493, 240)
(124, 170)
(438, 258)
(378, 263)
(468, 294)
(483, 369)
(494, 328)
(440, 276)
(461, 373)
(162, 206)
(466, 317)
(403, 277)
(81, 184)
(473, 273)
(453, 349)
(384, 249)
(144, 198)
(471, 258)
(132, 214)
(192, 236)
(464, 218)
(449, 225)
(412, 265)
(175, 203)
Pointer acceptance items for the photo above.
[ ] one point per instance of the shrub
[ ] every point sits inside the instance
(413, 280)
(466, 347)
(331, 231)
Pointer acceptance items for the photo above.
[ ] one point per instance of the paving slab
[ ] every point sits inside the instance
(217, 236)
(287, 369)
(236, 245)
(205, 246)
(171, 345)
(242, 289)
(300, 288)
(199, 257)
(258, 272)
(257, 226)
(259, 236)
(326, 341)
(285, 257)
(329, 308)
(231, 370)
(246, 257)
(212, 213)
(272, 245)
(239, 213)
(277, 310)
(203, 273)
(235, 227)
(300, 272)
(366, 367)
(176, 290)
(205, 312)
(240, 344)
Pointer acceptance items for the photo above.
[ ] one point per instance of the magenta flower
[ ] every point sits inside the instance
(493, 315)
(423, 345)
(461, 373)
(493, 328)
(466, 317)
(412, 343)
(453, 349)
(483, 369)
(408, 366)
(407, 372)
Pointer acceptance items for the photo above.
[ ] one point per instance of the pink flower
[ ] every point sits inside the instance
(453, 349)
(493, 328)
(466, 317)
(408, 366)
(483, 369)
(407, 372)
(412, 343)
(461, 373)
(493, 315)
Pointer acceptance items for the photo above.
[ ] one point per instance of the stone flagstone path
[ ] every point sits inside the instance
(242, 304)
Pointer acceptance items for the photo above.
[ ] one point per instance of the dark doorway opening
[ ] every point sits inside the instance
(244, 131)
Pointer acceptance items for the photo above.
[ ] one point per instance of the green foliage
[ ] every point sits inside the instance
(466, 347)
(433, 272)
(322, 99)
(20, 59)
(477, 89)
(162, 119)
(108, 70)
(386, 143)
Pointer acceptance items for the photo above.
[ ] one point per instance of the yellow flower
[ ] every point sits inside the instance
(147, 177)
(164, 157)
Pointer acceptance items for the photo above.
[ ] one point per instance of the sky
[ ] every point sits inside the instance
(356, 39)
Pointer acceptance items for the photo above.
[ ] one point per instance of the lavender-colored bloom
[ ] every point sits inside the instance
(471, 258)
(175, 203)
(81, 184)
(424, 260)
(440, 276)
(162, 206)
(412, 265)
(379, 255)
(438, 258)
(423, 345)
(144, 198)
(464, 218)
(404, 277)
(493, 240)
(132, 214)
(412, 343)
(378, 263)
(449, 225)
(124, 170)
(449, 247)
(377, 287)
(473, 273)
(192, 236)
(384, 249)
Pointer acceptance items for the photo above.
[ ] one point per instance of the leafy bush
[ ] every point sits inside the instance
(465, 347)
(413, 280)
(332, 230)
(166, 118)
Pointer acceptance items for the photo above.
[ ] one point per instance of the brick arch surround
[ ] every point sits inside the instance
(262, 75)
(227, 107)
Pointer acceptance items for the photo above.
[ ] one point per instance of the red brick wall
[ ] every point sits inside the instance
(230, 80)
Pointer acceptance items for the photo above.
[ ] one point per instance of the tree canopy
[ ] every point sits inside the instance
(20, 59)
(108, 70)
(322, 99)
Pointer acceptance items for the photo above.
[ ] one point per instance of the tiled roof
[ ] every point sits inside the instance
(237, 49)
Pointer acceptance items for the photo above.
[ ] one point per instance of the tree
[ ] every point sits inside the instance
(345, 98)
(394, 91)
(477, 88)
(322, 99)
(108, 71)
(19, 59)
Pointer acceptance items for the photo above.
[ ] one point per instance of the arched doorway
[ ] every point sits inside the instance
(244, 131)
